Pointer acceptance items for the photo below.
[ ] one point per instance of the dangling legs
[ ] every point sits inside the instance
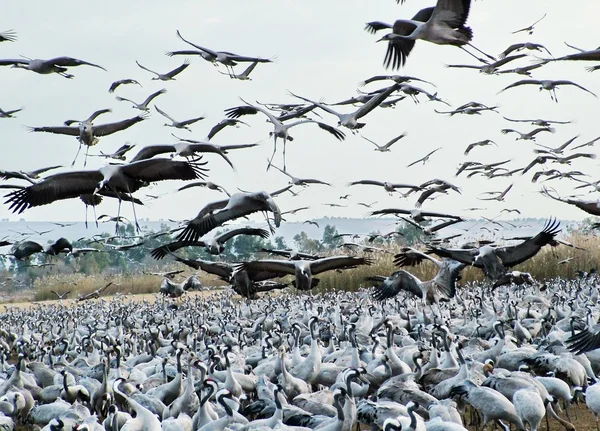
(480, 51)
(76, 155)
(274, 150)
(473, 55)
(95, 218)
(137, 226)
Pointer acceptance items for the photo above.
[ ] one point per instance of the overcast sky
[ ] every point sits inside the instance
(321, 52)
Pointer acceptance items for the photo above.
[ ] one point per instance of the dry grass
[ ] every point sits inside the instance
(543, 266)
(80, 285)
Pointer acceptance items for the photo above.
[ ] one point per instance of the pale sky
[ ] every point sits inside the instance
(322, 52)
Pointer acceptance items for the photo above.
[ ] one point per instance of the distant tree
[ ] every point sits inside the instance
(587, 226)
(409, 234)
(246, 245)
(330, 238)
(280, 243)
(306, 244)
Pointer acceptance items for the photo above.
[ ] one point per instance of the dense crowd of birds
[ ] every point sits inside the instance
(407, 354)
(326, 362)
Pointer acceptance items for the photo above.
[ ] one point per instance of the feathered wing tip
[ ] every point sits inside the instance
(19, 200)
(582, 342)
(552, 226)
(377, 278)
(467, 31)
(196, 228)
(314, 283)
(461, 389)
(160, 252)
(199, 170)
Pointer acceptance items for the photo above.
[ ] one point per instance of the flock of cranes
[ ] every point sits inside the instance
(403, 354)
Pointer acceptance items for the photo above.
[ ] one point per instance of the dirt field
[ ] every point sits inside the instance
(151, 297)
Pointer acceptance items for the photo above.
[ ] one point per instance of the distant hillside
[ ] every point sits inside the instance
(477, 228)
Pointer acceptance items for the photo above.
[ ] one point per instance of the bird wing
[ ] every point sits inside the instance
(521, 82)
(398, 49)
(393, 141)
(8, 36)
(584, 341)
(12, 61)
(145, 68)
(423, 197)
(210, 148)
(152, 96)
(513, 255)
(368, 182)
(60, 130)
(453, 13)
(238, 111)
(441, 215)
(270, 266)
(566, 144)
(446, 278)
(375, 26)
(398, 281)
(202, 225)
(335, 132)
(191, 121)
(442, 225)
(249, 69)
(71, 62)
(164, 114)
(337, 262)
(208, 51)
(424, 14)
(284, 253)
(220, 269)
(162, 251)
(226, 148)
(466, 256)
(152, 170)
(221, 125)
(537, 160)
(510, 49)
(320, 105)
(177, 70)
(55, 187)
(564, 82)
(389, 211)
(110, 128)
(505, 60)
(409, 256)
(43, 170)
(375, 101)
(151, 151)
(26, 249)
(226, 236)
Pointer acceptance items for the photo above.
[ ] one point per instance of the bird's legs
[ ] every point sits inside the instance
(87, 150)
(76, 155)
(284, 146)
(95, 218)
(137, 226)
(274, 151)
(473, 55)
(118, 218)
(480, 51)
